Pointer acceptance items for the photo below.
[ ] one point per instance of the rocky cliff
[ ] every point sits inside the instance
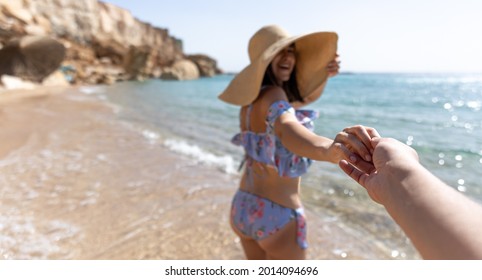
(102, 43)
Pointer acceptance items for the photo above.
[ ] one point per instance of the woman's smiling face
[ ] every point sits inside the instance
(283, 64)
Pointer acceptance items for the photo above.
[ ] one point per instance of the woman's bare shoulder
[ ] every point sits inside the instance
(271, 94)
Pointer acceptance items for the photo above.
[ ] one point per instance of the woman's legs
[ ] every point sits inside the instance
(250, 246)
(252, 250)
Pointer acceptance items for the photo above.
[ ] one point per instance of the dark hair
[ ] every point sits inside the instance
(290, 86)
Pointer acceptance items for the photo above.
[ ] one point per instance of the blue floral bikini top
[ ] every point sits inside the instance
(267, 148)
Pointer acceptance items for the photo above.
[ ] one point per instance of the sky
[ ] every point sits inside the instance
(374, 35)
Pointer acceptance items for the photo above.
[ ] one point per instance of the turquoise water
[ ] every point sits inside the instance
(439, 115)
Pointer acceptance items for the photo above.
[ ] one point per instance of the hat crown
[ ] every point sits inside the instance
(263, 39)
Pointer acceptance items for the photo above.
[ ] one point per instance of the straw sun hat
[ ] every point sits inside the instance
(313, 53)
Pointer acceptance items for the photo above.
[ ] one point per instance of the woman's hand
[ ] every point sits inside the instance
(334, 67)
(354, 145)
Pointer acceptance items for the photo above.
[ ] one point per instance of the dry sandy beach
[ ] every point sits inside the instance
(76, 182)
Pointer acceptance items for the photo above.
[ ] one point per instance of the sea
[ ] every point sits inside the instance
(437, 114)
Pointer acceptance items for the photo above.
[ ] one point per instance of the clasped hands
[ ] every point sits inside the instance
(372, 161)
(354, 144)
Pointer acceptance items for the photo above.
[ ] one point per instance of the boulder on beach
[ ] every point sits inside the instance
(31, 58)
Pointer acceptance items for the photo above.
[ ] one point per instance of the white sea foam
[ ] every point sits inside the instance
(24, 238)
(150, 135)
(91, 90)
(225, 163)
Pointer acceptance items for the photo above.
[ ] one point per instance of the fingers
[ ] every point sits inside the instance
(357, 145)
(364, 179)
(333, 67)
(352, 143)
(354, 173)
(372, 132)
(365, 134)
(375, 141)
(345, 152)
(364, 166)
(358, 162)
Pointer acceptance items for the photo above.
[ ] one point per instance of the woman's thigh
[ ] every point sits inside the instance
(251, 248)
(283, 244)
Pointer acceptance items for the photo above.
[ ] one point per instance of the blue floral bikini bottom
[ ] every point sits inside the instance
(259, 217)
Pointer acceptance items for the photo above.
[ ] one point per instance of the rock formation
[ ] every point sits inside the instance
(206, 65)
(31, 57)
(99, 43)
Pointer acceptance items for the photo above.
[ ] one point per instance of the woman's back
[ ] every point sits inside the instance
(260, 178)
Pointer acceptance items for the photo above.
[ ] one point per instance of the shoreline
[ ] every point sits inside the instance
(79, 183)
(66, 149)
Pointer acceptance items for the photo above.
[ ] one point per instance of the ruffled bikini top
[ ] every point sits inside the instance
(267, 148)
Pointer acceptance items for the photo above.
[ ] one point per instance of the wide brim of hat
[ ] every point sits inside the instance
(313, 53)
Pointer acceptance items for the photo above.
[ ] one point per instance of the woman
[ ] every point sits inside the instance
(285, 72)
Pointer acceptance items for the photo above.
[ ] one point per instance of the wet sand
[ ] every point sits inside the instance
(76, 182)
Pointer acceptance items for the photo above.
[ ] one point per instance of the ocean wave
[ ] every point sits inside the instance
(225, 163)
(28, 238)
(92, 89)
